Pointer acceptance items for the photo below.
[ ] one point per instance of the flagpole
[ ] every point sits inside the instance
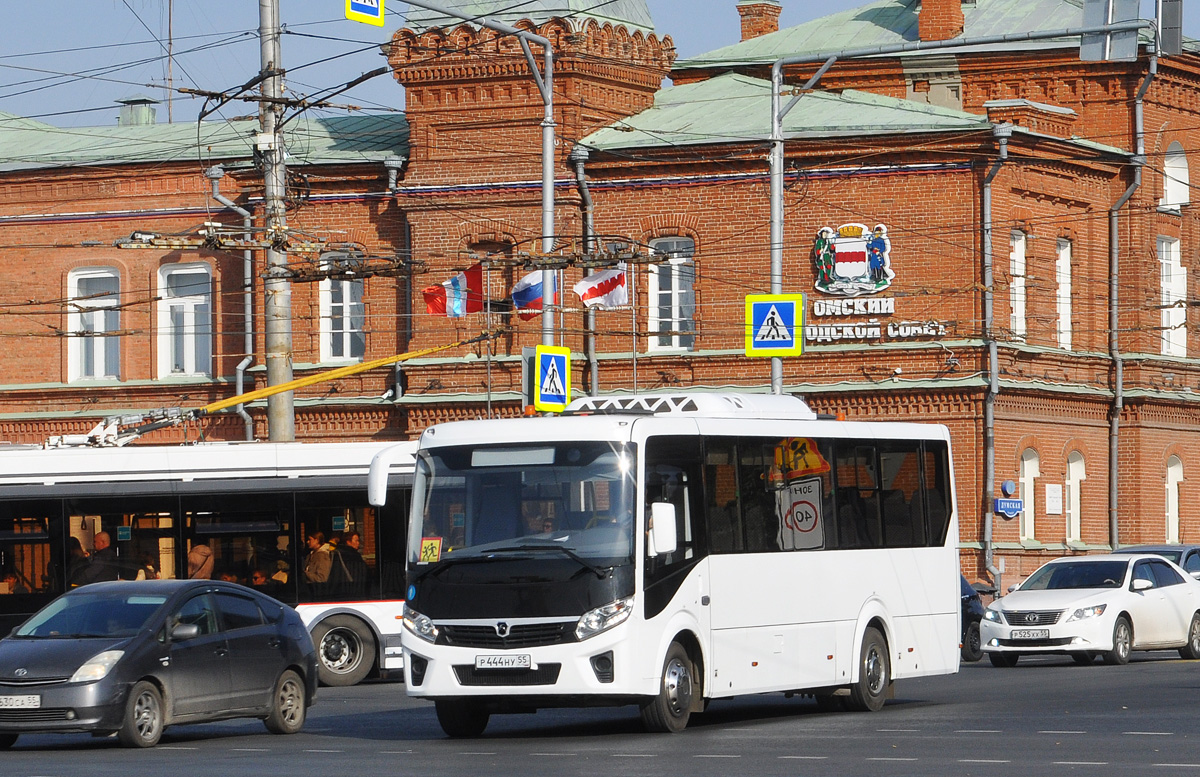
(632, 269)
(488, 315)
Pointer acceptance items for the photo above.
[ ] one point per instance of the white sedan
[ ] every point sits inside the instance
(1096, 605)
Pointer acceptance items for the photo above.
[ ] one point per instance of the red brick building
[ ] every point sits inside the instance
(1019, 224)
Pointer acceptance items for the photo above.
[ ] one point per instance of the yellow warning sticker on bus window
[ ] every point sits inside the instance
(431, 550)
(798, 456)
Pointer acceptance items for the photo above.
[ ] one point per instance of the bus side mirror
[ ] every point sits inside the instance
(662, 529)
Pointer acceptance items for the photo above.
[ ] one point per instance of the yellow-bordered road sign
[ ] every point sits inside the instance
(552, 392)
(366, 11)
(774, 324)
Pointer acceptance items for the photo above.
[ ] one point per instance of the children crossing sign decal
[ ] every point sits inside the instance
(774, 324)
(553, 388)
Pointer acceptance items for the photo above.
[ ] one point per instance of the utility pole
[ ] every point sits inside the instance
(277, 318)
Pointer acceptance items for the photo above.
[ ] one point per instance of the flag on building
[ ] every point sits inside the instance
(458, 296)
(527, 295)
(604, 289)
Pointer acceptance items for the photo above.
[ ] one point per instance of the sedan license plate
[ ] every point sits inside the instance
(1030, 634)
(508, 661)
(20, 702)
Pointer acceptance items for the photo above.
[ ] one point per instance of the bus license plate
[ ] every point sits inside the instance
(508, 661)
(1030, 634)
(20, 702)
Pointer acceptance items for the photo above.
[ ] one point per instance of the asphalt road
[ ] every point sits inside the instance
(1046, 716)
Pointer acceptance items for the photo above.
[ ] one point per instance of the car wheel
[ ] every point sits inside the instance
(1083, 659)
(1004, 660)
(972, 650)
(668, 712)
(874, 674)
(289, 705)
(1192, 648)
(142, 725)
(1122, 643)
(461, 718)
(8, 740)
(345, 650)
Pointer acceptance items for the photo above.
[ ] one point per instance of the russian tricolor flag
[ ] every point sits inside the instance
(458, 296)
(527, 295)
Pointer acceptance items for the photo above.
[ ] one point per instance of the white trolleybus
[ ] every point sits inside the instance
(666, 551)
(239, 511)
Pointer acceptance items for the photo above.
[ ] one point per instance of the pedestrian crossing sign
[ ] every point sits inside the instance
(552, 392)
(774, 324)
(366, 11)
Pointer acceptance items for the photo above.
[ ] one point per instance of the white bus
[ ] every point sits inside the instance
(241, 511)
(666, 551)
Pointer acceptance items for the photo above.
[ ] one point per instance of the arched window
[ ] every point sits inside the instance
(185, 320)
(93, 318)
(1174, 478)
(1031, 469)
(1176, 190)
(1076, 474)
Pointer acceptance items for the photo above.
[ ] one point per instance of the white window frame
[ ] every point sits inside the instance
(1174, 478)
(1173, 278)
(91, 356)
(343, 320)
(680, 300)
(1177, 190)
(1076, 474)
(1016, 285)
(1030, 471)
(1062, 279)
(187, 352)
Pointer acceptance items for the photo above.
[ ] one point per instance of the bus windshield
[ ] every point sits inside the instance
(567, 500)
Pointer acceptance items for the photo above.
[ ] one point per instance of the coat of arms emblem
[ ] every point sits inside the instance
(853, 260)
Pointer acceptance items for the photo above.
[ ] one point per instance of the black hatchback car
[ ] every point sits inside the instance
(134, 657)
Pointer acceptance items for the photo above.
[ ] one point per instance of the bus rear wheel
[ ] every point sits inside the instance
(345, 650)
(874, 674)
(461, 718)
(669, 711)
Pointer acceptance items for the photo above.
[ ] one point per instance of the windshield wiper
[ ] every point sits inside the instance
(599, 572)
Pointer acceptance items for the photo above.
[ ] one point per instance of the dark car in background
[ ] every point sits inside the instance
(972, 613)
(1186, 556)
(131, 658)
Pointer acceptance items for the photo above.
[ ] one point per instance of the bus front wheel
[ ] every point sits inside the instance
(345, 650)
(874, 674)
(668, 712)
(461, 718)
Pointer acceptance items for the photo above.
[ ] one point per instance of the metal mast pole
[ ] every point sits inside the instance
(277, 319)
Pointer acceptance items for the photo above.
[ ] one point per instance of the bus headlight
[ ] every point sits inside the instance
(603, 618)
(419, 625)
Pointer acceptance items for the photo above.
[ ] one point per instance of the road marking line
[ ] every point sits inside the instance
(324, 751)
(554, 755)
(475, 752)
(978, 731)
(806, 757)
(891, 759)
(1062, 732)
(982, 761)
(716, 756)
(1190, 766)
(634, 755)
(1080, 763)
(1148, 733)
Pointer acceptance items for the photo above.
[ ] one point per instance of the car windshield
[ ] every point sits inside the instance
(1077, 574)
(562, 500)
(85, 614)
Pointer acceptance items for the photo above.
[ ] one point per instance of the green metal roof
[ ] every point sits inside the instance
(633, 14)
(28, 144)
(733, 108)
(890, 22)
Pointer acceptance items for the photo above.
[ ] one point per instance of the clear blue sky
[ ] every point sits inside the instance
(66, 62)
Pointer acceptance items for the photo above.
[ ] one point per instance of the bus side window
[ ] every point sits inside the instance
(721, 496)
